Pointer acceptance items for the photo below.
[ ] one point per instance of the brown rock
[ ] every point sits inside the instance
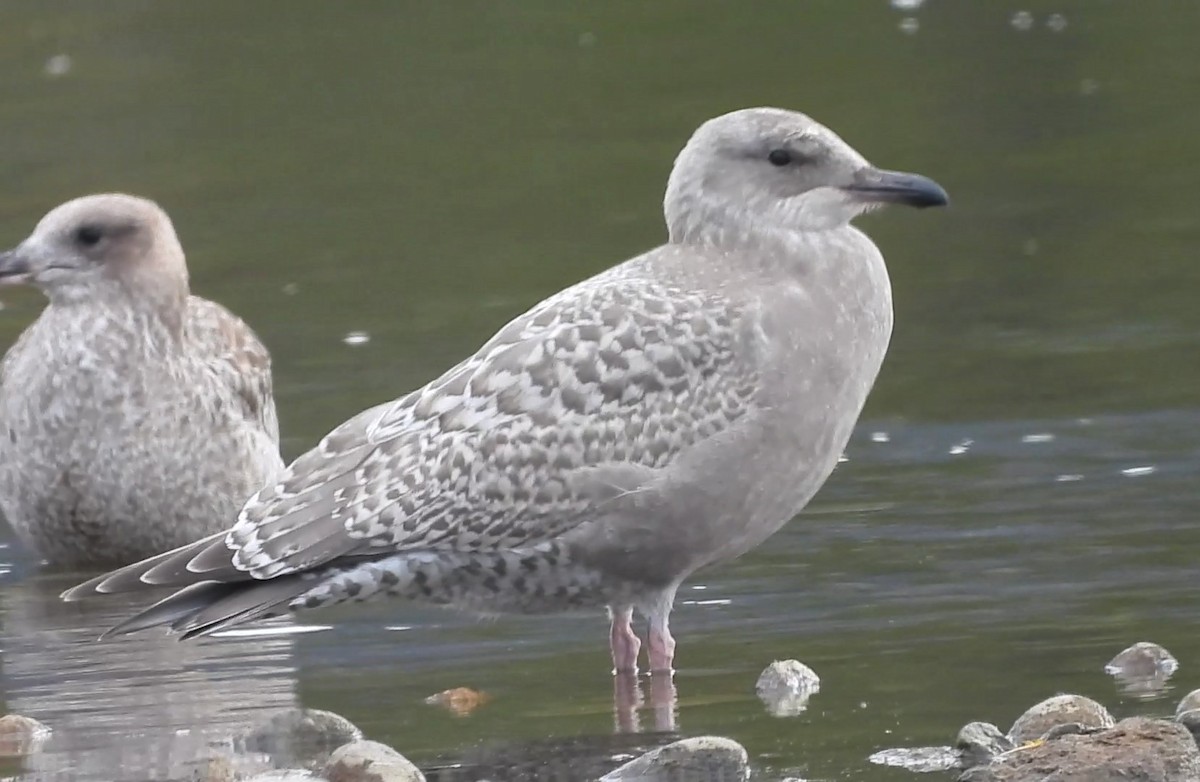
(20, 736)
(1136, 750)
(460, 701)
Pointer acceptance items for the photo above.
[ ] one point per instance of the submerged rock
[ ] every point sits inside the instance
(978, 743)
(1061, 710)
(286, 775)
(21, 736)
(1142, 669)
(920, 759)
(1138, 749)
(1189, 702)
(370, 761)
(785, 686)
(702, 757)
(302, 737)
(459, 701)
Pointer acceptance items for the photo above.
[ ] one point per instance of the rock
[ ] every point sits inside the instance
(21, 736)
(1059, 710)
(702, 757)
(920, 759)
(459, 701)
(785, 687)
(1189, 702)
(370, 761)
(1190, 719)
(1136, 750)
(216, 769)
(1142, 659)
(1142, 669)
(978, 743)
(286, 775)
(302, 737)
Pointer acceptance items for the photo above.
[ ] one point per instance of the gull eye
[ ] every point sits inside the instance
(88, 235)
(780, 157)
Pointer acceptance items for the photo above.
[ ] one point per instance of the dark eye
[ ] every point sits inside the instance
(780, 157)
(88, 235)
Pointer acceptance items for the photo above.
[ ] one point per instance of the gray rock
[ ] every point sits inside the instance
(1136, 750)
(1189, 702)
(1143, 669)
(302, 737)
(370, 761)
(286, 775)
(1060, 710)
(785, 687)
(920, 759)
(21, 736)
(702, 757)
(1142, 659)
(978, 743)
(1190, 719)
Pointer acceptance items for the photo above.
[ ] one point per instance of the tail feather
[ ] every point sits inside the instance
(177, 607)
(248, 601)
(206, 607)
(166, 569)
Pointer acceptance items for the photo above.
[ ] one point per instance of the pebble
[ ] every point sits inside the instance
(785, 686)
(459, 701)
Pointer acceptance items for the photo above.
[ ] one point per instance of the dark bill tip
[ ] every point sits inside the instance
(898, 187)
(13, 268)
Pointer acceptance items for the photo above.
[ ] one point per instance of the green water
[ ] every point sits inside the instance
(421, 172)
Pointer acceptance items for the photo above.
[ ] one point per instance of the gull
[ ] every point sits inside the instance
(667, 414)
(134, 417)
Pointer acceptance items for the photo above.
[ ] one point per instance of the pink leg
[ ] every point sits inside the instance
(623, 641)
(662, 645)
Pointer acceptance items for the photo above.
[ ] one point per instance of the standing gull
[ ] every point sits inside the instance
(133, 416)
(666, 414)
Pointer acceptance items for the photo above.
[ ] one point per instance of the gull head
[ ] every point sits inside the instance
(768, 168)
(97, 245)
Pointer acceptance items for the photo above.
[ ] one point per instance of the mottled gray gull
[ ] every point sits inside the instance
(133, 416)
(666, 414)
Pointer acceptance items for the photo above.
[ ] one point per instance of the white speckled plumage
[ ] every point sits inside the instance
(134, 417)
(669, 413)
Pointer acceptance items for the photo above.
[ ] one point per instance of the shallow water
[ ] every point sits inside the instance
(377, 188)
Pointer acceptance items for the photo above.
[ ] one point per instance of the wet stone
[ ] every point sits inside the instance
(919, 759)
(1189, 702)
(301, 737)
(702, 757)
(785, 686)
(1139, 749)
(459, 701)
(978, 743)
(370, 761)
(21, 736)
(1056, 711)
(286, 775)
(1142, 669)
